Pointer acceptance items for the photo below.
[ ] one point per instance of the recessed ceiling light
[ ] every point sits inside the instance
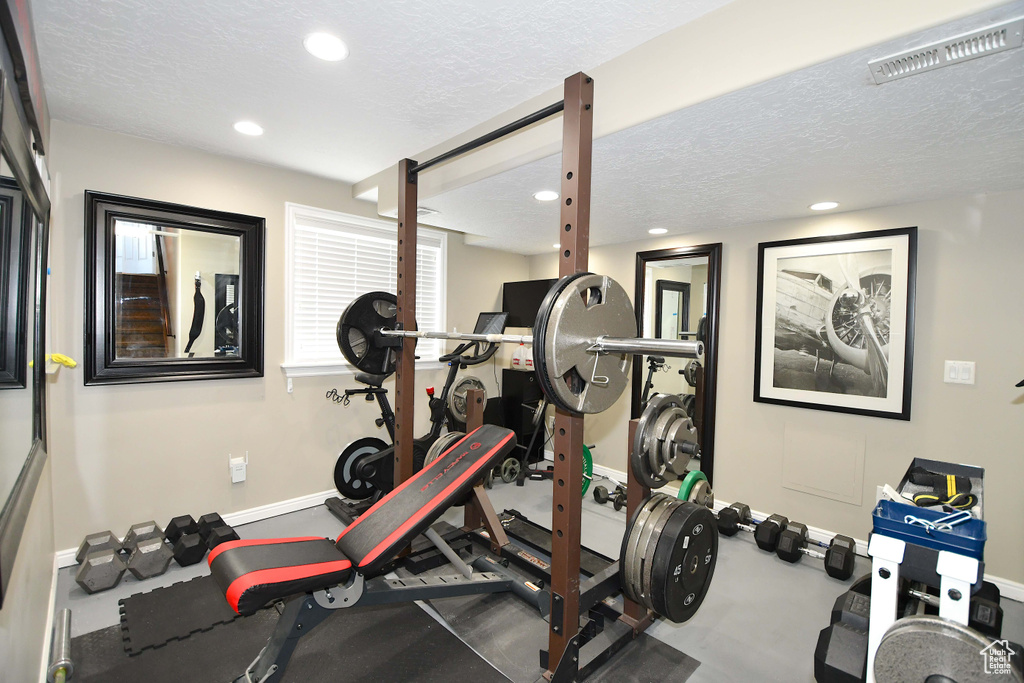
(556, 245)
(545, 196)
(658, 231)
(823, 206)
(249, 128)
(325, 46)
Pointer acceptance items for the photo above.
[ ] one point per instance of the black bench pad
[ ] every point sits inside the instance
(372, 540)
(252, 573)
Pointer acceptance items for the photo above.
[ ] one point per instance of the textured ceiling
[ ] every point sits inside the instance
(420, 71)
(767, 152)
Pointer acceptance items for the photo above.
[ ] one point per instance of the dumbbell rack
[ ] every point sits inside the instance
(953, 557)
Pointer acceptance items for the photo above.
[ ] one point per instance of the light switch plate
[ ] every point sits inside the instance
(958, 372)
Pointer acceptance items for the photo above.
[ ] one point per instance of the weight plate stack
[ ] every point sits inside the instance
(443, 443)
(457, 398)
(668, 556)
(540, 328)
(578, 310)
(664, 442)
(356, 332)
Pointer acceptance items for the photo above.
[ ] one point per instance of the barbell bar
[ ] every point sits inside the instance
(603, 344)
(583, 337)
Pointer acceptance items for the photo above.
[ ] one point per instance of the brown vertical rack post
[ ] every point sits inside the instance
(405, 371)
(473, 516)
(567, 503)
(636, 615)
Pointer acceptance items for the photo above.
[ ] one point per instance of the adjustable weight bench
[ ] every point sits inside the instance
(343, 573)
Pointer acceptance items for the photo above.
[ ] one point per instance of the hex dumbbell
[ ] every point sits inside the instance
(148, 553)
(214, 530)
(618, 498)
(181, 525)
(102, 561)
(188, 546)
(788, 540)
(839, 556)
(100, 570)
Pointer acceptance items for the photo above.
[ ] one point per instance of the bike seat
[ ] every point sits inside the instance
(371, 380)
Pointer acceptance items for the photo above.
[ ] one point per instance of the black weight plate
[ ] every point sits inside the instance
(689, 402)
(625, 537)
(684, 562)
(357, 328)
(540, 330)
(347, 483)
(702, 330)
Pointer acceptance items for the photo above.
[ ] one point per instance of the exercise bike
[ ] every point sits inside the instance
(365, 469)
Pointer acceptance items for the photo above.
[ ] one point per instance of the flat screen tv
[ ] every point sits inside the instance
(522, 299)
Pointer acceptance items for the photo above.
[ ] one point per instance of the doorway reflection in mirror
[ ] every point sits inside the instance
(176, 292)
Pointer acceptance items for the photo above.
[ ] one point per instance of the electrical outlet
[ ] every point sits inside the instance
(238, 467)
(958, 372)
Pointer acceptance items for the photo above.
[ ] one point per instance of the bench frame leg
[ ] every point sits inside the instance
(300, 616)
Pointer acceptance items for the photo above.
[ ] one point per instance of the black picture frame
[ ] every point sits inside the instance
(16, 253)
(709, 376)
(101, 365)
(830, 318)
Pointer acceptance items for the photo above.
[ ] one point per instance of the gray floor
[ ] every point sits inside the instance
(760, 620)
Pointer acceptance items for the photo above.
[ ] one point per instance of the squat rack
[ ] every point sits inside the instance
(574, 246)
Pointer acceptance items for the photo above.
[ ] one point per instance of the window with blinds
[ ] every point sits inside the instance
(332, 259)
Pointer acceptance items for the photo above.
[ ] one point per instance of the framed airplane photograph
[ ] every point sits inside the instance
(835, 322)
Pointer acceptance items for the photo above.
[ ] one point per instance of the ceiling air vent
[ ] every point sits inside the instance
(421, 211)
(954, 50)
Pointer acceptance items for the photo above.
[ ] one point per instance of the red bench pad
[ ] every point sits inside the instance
(255, 572)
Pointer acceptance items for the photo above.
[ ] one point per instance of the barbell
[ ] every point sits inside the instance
(583, 337)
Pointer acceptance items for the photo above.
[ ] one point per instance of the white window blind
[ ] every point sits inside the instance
(334, 258)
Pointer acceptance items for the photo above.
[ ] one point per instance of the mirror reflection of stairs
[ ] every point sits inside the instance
(142, 318)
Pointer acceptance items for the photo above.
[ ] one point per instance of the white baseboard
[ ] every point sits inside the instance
(1007, 588)
(66, 557)
(44, 664)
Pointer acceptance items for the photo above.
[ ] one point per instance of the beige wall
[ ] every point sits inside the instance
(23, 618)
(124, 454)
(968, 308)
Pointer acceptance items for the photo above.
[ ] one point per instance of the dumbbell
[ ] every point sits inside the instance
(102, 562)
(188, 546)
(214, 530)
(839, 556)
(766, 533)
(602, 496)
(148, 553)
(100, 565)
(770, 536)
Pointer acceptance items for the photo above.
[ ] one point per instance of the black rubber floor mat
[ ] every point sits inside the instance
(387, 643)
(150, 620)
(646, 659)
(503, 630)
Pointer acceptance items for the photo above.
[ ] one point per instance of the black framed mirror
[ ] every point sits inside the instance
(677, 297)
(24, 201)
(172, 292)
(16, 252)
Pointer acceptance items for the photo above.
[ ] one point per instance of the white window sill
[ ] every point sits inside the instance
(292, 370)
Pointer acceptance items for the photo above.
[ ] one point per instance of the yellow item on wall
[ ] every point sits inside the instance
(66, 361)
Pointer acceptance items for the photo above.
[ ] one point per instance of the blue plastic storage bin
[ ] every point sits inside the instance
(967, 538)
